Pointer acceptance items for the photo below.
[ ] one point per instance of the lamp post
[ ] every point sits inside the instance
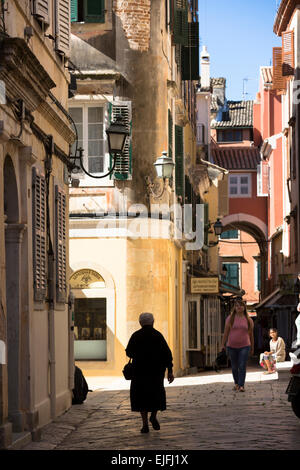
(164, 169)
(117, 134)
(218, 227)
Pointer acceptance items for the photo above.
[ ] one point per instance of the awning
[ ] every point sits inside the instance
(270, 297)
(277, 299)
(230, 289)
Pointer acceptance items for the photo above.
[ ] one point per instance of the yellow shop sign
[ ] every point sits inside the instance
(204, 285)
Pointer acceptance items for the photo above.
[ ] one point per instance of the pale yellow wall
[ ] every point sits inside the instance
(143, 273)
(35, 356)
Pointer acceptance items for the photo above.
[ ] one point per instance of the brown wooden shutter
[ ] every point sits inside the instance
(279, 80)
(39, 235)
(62, 27)
(61, 246)
(288, 62)
(41, 11)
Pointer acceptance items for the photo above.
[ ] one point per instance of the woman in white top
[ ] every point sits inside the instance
(268, 359)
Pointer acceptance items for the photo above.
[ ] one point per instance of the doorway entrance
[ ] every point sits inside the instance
(90, 329)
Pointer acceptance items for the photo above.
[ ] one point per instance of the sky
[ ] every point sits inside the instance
(239, 37)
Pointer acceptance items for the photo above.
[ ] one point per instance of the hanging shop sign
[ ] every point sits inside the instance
(204, 285)
(86, 279)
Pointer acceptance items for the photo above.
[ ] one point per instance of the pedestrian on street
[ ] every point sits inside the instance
(239, 337)
(151, 356)
(277, 353)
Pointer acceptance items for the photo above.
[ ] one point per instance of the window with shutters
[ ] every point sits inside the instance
(288, 61)
(190, 54)
(279, 81)
(232, 274)
(88, 11)
(179, 162)
(62, 27)
(180, 22)
(123, 166)
(39, 234)
(40, 10)
(61, 244)
(90, 122)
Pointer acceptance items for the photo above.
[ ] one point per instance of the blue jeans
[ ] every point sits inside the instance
(238, 358)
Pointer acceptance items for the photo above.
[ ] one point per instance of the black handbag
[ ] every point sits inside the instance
(128, 370)
(221, 360)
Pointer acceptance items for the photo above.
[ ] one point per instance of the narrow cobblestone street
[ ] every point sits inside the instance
(203, 413)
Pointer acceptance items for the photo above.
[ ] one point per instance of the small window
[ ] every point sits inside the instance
(88, 11)
(239, 185)
(229, 135)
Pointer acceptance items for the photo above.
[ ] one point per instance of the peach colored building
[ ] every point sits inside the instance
(243, 242)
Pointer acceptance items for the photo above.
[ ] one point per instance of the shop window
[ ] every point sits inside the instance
(90, 329)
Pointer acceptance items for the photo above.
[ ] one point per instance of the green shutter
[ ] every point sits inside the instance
(123, 167)
(74, 10)
(179, 163)
(230, 235)
(190, 54)
(258, 278)
(232, 276)
(180, 26)
(94, 11)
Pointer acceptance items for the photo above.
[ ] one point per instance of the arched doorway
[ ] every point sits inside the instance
(256, 229)
(93, 315)
(13, 239)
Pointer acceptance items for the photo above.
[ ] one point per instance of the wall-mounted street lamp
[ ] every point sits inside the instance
(117, 134)
(218, 229)
(164, 166)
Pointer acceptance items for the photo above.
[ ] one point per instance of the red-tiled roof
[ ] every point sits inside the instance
(244, 158)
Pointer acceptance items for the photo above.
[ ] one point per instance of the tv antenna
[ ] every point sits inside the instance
(244, 87)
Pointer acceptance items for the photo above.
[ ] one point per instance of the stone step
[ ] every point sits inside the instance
(20, 439)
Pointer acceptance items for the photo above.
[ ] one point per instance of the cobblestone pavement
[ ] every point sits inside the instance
(203, 413)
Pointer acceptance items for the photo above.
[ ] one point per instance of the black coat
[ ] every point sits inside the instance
(151, 356)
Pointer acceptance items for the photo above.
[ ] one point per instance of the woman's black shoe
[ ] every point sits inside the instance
(155, 424)
(145, 429)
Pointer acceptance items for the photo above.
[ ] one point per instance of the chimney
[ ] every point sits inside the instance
(205, 68)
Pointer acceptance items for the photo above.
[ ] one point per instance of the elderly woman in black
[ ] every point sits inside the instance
(151, 356)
